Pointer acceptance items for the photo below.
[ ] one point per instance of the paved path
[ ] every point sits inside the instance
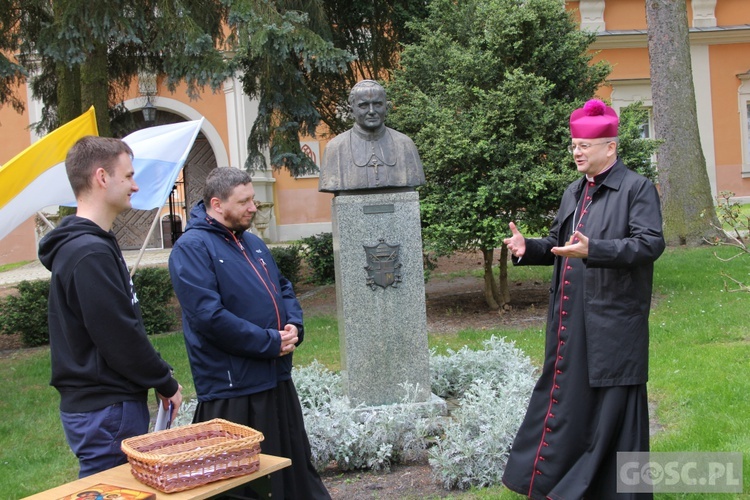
(36, 271)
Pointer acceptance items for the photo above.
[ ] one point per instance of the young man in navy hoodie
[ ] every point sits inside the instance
(103, 363)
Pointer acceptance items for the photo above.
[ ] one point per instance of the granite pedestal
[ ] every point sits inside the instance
(380, 296)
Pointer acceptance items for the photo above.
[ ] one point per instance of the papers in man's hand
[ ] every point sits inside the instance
(163, 417)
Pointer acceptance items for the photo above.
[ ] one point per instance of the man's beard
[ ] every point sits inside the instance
(237, 224)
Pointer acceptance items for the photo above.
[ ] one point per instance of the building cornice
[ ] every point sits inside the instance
(632, 39)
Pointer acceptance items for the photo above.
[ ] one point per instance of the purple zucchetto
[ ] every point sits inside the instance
(594, 120)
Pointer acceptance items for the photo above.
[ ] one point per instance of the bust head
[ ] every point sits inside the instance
(368, 105)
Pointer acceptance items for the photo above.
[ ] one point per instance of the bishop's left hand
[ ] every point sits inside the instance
(577, 247)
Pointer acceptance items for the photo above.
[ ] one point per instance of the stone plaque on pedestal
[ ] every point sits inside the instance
(380, 296)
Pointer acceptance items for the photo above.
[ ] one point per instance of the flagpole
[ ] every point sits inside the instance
(148, 237)
(46, 220)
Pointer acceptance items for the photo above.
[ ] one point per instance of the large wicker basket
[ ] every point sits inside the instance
(193, 455)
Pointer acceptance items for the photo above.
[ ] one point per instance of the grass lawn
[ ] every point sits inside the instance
(699, 365)
(14, 265)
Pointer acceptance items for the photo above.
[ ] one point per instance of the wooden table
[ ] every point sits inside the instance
(121, 476)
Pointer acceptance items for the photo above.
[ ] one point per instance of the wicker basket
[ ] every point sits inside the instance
(193, 455)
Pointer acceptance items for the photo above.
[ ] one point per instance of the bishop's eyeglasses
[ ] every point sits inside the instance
(584, 146)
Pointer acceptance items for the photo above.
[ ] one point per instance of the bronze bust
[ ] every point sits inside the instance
(370, 155)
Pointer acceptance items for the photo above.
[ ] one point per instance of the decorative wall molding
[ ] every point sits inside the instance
(704, 13)
(592, 15)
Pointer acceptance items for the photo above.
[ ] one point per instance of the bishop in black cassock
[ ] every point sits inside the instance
(590, 401)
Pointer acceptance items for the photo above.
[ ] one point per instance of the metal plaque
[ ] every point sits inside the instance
(383, 266)
(379, 209)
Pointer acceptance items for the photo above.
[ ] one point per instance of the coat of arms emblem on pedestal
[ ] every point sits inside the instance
(383, 266)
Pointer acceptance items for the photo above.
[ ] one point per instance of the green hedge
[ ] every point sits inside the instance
(155, 293)
(289, 261)
(319, 257)
(25, 312)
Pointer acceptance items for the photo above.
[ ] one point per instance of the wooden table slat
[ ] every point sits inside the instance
(121, 476)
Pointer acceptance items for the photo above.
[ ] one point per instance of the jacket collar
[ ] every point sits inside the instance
(612, 180)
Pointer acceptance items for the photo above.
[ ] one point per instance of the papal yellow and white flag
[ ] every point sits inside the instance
(35, 178)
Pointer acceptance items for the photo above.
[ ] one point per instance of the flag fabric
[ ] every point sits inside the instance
(35, 178)
(159, 154)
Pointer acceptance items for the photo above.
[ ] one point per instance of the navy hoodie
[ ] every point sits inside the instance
(234, 303)
(100, 352)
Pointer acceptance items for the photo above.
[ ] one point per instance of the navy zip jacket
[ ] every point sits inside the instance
(234, 303)
(100, 352)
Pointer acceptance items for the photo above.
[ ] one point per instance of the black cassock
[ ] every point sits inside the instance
(278, 415)
(567, 445)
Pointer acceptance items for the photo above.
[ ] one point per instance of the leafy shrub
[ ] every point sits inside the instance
(470, 448)
(499, 363)
(359, 438)
(319, 257)
(26, 313)
(289, 261)
(473, 450)
(154, 290)
(495, 385)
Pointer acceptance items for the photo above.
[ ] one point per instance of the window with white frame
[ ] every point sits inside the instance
(627, 92)
(647, 126)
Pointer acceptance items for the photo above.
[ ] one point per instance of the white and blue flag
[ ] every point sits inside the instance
(159, 154)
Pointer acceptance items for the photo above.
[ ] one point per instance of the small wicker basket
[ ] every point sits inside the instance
(193, 455)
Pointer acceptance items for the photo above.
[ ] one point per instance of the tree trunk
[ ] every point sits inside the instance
(68, 92)
(490, 288)
(687, 201)
(68, 81)
(95, 87)
(503, 278)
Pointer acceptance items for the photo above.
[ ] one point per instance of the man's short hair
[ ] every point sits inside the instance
(221, 182)
(88, 154)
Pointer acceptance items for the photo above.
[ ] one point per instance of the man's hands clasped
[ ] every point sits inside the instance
(289, 339)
